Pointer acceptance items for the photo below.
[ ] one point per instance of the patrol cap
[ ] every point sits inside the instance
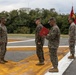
(52, 18)
(37, 19)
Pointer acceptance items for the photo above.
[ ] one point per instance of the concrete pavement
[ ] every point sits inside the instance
(71, 70)
(63, 41)
(19, 55)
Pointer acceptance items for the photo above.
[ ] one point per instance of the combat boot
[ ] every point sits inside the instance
(2, 62)
(54, 70)
(40, 63)
(71, 56)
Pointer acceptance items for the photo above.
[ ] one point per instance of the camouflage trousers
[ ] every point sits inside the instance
(2, 50)
(39, 52)
(72, 47)
(53, 56)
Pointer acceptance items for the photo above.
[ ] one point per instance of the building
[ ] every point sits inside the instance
(26, 10)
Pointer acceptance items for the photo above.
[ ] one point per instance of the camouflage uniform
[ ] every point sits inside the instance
(3, 39)
(53, 42)
(39, 47)
(72, 33)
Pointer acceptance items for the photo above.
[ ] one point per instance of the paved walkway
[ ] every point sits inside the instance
(17, 56)
(31, 42)
(28, 65)
(62, 70)
(71, 70)
(66, 66)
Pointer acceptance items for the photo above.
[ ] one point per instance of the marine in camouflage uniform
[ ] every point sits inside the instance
(72, 32)
(3, 40)
(39, 42)
(53, 43)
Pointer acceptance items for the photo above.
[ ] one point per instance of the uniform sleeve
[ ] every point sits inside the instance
(47, 37)
(39, 38)
(0, 34)
(72, 32)
(53, 33)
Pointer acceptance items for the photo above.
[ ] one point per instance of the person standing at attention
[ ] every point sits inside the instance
(72, 32)
(53, 43)
(39, 40)
(3, 40)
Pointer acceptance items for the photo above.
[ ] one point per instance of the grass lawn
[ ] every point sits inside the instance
(64, 36)
(21, 35)
(29, 35)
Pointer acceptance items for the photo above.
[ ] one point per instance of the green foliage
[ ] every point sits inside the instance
(19, 21)
(24, 30)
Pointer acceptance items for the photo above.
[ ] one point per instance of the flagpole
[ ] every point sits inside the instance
(72, 3)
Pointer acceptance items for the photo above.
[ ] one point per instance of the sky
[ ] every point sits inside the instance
(61, 6)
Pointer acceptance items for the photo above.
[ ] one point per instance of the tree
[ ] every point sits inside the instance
(18, 21)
